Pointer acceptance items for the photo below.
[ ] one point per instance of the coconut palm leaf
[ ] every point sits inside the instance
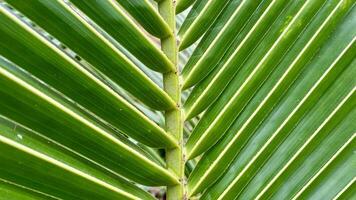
(186, 99)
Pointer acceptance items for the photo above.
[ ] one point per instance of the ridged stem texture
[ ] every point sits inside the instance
(173, 118)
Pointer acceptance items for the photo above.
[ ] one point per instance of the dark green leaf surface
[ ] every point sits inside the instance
(221, 115)
(191, 16)
(268, 88)
(210, 34)
(338, 54)
(219, 44)
(206, 91)
(61, 21)
(53, 170)
(238, 169)
(334, 176)
(11, 191)
(113, 20)
(33, 53)
(29, 102)
(334, 132)
(348, 192)
(201, 23)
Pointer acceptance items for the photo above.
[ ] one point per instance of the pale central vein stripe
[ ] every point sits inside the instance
(225, 149)
(348, 186)
(228, 23)
(231, 58)
(77, 66)
(200, 15)
(63, 166)
(324, 167)
(303, 147)
(29, 189)
(232, 100)
(289, 117)
(82, 120)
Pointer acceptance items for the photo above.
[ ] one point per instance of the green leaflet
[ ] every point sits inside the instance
(290, 146)
(219, 45)
(10, 191)
(208, 90)
(191, 16)
(272, 172)
(147, 16)
(114, 21)
(183, 4)
(221, 115)
(56, 118)
(334, 132)
(201, 23)
(42, 59)
(296, 59)
(336, 175)
(348, 192)
(210, 34)
(250, 145)
(91, 95)
(49, 168)
(62, 22)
